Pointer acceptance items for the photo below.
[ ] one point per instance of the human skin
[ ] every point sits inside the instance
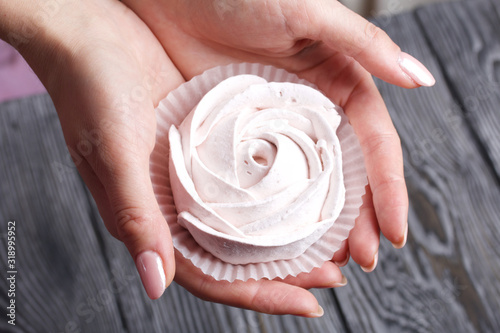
(106, 67)
(327, 44)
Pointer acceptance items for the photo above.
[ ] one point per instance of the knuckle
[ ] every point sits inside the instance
(371, 33)
(389, 181)
(390, 185)
(131, 222)
(268, 301)
(383, 150)
(381, 143)
(205, 285)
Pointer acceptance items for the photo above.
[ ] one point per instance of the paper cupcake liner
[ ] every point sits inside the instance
(172, 111)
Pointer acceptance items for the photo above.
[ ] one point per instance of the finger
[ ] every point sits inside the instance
(364, 237)
(265, 296)
(326, 276)
(341, 257)
(379, 141)
(349, 33)
(141, 225)
(126, 202)
(119, 178)
(383, 159)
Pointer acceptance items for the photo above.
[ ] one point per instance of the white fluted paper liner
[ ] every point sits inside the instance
(172, 111)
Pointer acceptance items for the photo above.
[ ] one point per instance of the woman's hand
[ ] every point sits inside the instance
(106, 72)
(327, 44)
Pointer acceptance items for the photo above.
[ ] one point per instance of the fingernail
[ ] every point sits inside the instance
(403, 241)
(320, 312)
(150, 267)
(372, 266)
(343, 262)
(342, 283)
(415, 70)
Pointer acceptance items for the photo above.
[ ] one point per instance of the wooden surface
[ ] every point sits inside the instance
(74, 277)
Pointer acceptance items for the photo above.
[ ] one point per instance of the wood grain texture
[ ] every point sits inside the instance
(466, 40)
(447, 278)
(476, 89)
(59, 260)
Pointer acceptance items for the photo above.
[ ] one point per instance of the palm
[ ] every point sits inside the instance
(112, 82)
(106, 70)
(252, 294)
(342, 79)
(196, 38)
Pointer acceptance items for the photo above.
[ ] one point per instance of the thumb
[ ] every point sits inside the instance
(124, 194)
(140, 225)
(349, 33)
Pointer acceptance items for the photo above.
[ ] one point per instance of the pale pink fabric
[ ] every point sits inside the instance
(16, 77)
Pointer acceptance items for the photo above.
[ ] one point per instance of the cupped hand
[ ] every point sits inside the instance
(106, 72)
(327, 44)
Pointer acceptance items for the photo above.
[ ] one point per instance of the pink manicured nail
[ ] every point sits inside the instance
(415, 70)
(372, 266)
(344, 262)
(150, 267)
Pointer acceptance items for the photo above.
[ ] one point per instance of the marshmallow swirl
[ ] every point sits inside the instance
(256, 169)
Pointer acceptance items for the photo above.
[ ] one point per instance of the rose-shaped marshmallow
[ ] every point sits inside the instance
(256, 169)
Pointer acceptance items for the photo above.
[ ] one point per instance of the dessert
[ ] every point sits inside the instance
(256, 169)
(266, 173)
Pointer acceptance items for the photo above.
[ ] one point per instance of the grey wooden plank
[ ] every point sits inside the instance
(466, 40)
(56, 283)
(477, 89)
(447, 277)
